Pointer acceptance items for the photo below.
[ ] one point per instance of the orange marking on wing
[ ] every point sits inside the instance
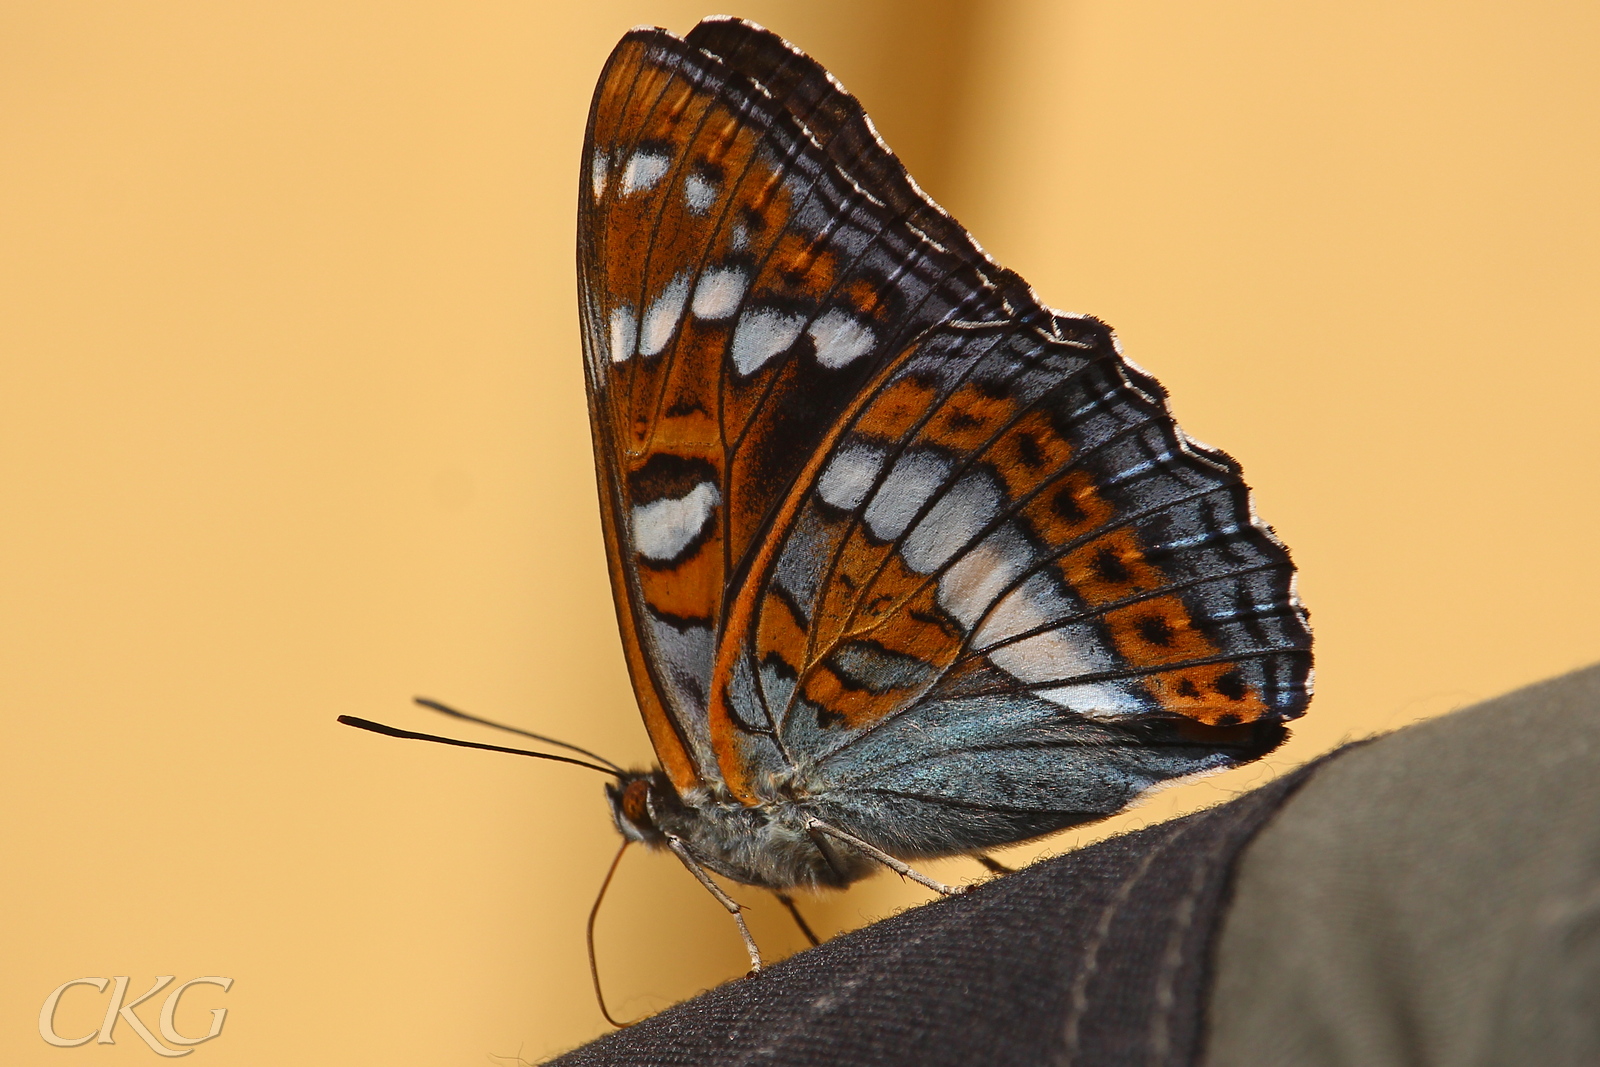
(679, 106)
(1160, 632)
(864, 296)
(1210, 693)
(691, 588)
(899, 612)
(892, 587)
(678, 415)
(850, 707)
(1112, 567)
(621, 82)
(688, 429)
(917, 627)
(847, 706)
(1027, 453)
(968, 418)
(780, 633)
(827, 690)
(893, 413)
(765, 195)
(1067, 509)
(1156, 632)
(726, 130)
(798, 266)
(854, 568)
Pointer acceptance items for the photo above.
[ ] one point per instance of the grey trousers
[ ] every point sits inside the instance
(1431, 898)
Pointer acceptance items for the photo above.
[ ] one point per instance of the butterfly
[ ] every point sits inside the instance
(906, 563)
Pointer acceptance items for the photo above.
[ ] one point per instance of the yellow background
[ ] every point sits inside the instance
(294, 426)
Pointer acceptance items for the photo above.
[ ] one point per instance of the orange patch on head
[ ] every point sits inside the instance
(635, 804)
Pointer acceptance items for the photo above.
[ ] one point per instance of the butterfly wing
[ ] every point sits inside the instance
(1012, 596)
(749, 259)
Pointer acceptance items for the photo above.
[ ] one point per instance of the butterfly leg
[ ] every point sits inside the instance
(800, 920)
(992, 865)
(884, 858)
(734, 909)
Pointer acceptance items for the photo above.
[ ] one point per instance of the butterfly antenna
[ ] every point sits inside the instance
(594, 913)
(446, 709)
(395, 731)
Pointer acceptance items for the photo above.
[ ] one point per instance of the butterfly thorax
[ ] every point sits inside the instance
(765, 844)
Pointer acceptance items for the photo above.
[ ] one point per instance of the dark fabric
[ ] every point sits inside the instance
(1433, 899)
(1100, 957)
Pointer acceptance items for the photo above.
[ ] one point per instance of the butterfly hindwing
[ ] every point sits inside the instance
(1012, 548)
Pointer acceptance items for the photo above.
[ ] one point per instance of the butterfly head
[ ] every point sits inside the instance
(635, 799)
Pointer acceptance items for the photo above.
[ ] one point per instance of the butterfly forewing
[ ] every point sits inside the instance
(745, 269)
(872, 512)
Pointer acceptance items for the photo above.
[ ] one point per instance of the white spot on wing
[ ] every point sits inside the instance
(951, 524)
(699, 194)
(644, 169)
(1097, 699)
(914, 478)
(761, 334)
(1058, 655)
(717, 293)
(663, 528)
(974, 581)
(662, 319)
(1027, 607)
(849, 474)
(597, 174)
(840, 339)
(1053, 656)
(624, 334)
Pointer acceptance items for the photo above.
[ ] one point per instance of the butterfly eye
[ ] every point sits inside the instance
(635, 802)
